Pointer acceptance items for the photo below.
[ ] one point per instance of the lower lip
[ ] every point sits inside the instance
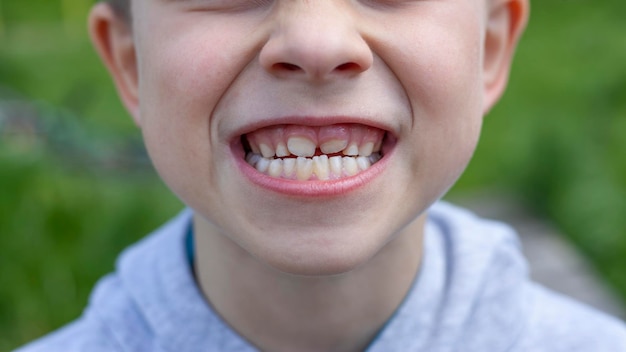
(309, 188)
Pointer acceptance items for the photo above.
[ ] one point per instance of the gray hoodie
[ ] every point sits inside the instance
(472, 294)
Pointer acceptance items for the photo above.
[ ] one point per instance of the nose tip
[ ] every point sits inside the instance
(313, 69)
(316, 51)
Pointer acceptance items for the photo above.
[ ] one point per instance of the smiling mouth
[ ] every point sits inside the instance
(309, 153)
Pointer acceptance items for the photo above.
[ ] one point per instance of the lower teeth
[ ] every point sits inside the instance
(316, 168)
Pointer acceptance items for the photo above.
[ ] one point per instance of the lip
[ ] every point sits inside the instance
(312, 122)
(315, 188)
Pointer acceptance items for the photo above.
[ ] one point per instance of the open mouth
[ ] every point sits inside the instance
(307, 153)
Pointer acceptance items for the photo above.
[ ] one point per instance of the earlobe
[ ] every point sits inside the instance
(506, 21)
(113, 39)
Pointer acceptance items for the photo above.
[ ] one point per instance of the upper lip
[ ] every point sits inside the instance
(313, 121)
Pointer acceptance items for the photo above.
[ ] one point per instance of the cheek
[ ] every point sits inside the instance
(443, 79)
(445, 70)
(448, 120)
(195, 60)
(176, 106)
(175, 78)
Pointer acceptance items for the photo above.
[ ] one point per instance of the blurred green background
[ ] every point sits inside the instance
(76, 187)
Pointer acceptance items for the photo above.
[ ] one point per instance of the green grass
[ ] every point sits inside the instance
(62, 225)
(557, 140)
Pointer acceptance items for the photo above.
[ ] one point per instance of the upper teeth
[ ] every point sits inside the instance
(333, 146)
(301, 146)
(288, 152)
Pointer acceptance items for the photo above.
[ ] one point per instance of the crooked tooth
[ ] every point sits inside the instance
(352, 150)
(336, 166)
(350, 166)
(321, 168)
(262, 165)
(366, 149)
(289, 167)
(333, 146)
(266, 150)
(301, 146)
(281, 150)
(363, 163)
(304, 168)
(275, 168)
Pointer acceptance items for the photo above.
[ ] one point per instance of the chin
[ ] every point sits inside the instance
(325, 252)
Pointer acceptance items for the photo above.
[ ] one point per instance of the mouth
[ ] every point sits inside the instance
(315, 153)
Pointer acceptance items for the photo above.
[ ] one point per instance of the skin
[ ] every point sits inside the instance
(300, 272)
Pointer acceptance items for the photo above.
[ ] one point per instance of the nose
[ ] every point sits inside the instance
(316, 41)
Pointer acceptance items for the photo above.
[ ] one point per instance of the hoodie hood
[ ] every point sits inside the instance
(471, 291)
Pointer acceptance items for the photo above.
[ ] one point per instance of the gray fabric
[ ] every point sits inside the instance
(472, 294)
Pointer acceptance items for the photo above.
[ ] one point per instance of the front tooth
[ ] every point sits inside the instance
(276, 168)
(363, 162)
(350, 166)
(281, 150)
(333, 146)
(321, 167)
(262, 165)
(289, 167)
(336, 166)
(301, 146)
(304, 168)
(266, 150)
(366, 149)
(352, 150)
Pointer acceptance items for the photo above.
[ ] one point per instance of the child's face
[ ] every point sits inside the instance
(219, 80)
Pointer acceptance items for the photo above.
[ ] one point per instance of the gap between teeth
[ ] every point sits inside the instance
(319, 167)
(304, 147)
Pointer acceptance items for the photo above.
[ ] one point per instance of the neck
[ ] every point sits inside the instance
(276, 311)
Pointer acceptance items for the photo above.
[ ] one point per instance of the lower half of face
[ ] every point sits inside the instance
(315, 174)
(314, 208)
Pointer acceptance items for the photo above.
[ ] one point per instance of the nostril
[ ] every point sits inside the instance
(286, 66)
(348, 66)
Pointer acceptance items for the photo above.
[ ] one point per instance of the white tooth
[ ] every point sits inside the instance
(289, 167)
(377, 146)
(366, 149)
(304, 168)
(255, 148)
(266, 150)
(350, 166)
(352, 150)
(301, 146)
(263, 164)
(276, 168)
(252, 158)
(281, 150)
(363, 162)
(333, 146)
(336, 166)
(321, 167)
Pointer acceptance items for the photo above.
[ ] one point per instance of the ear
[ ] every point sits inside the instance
(113, 39)
(506, 21)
